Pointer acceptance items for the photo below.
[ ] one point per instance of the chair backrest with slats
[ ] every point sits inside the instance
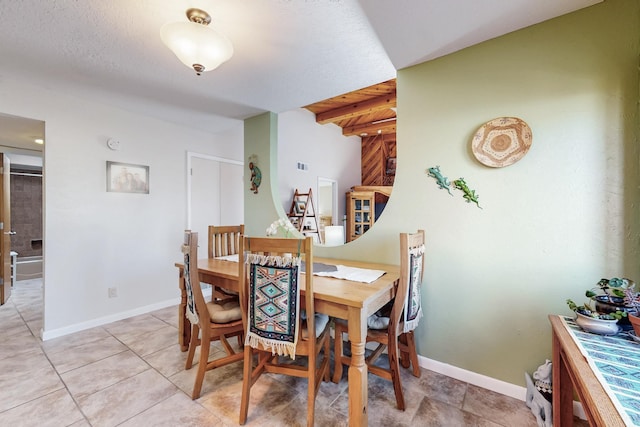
(407, 307)
(270, 284)
(196, 305)
(224, 240)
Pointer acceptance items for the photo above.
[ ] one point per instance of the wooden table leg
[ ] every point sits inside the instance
(358, 393)
(562, 388)
(184, 331)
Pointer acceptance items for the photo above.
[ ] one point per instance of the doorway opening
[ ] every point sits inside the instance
(328, 205)
(23, 217)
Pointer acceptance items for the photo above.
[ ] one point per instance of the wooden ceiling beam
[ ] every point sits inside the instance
(370, 128)
(382, 102)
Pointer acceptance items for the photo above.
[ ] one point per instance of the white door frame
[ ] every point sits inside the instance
(334, 196)
(190, 156)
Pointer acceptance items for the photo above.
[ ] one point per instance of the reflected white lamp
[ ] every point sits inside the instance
(333, 235)
(195, 43)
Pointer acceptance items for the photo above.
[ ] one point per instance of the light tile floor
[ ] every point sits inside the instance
(131, 373)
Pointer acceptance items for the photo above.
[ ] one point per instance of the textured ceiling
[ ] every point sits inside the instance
(288, 53)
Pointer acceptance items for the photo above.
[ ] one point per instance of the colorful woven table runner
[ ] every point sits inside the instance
(615, 360)
(274, 303)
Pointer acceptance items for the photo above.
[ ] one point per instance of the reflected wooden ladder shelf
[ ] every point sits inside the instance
(302, 208)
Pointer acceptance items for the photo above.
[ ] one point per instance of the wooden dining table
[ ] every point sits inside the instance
(344, 299)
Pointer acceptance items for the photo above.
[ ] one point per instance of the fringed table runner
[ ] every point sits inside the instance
(274, 303)
(190, 311)
(615, 360)
(413, 304)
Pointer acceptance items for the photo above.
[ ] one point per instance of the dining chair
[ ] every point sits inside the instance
(224, 241)
(270, 284)
(210, 321)
(405, 314)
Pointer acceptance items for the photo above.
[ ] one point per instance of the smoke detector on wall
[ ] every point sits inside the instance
(113, 144)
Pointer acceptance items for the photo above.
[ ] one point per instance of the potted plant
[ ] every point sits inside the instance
(632, 301)
(608, 296)
(596, 322)
(611, 292)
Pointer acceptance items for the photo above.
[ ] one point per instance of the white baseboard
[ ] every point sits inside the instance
(55, 333)
(502, 387)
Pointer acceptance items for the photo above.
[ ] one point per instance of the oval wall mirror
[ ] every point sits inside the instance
(343, 151)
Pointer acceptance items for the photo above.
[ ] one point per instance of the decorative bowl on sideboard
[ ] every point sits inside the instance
(598, 326)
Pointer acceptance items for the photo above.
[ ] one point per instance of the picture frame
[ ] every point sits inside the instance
(127, 178)
(299, 207)
(390, 166)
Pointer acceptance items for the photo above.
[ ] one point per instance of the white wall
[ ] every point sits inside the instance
(323, 148)
(25, 160)
(94, 240)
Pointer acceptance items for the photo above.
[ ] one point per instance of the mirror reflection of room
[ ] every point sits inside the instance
(344, 149)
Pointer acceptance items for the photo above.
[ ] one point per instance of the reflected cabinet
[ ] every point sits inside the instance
(359, 213)
(364, 205)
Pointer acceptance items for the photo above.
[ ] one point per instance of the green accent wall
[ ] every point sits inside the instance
(552, 224)
(261, 140)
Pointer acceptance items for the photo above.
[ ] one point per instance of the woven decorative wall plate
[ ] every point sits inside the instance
(501, 142)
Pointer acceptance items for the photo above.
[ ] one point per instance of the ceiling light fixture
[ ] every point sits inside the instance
(196, 44)
(39, 141)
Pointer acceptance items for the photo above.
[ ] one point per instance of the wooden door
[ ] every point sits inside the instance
(5, 221)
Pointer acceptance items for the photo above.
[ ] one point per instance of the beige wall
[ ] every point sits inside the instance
(552, 224)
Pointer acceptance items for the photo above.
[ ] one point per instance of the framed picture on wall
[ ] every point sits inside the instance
(391, 166)
(127, 178)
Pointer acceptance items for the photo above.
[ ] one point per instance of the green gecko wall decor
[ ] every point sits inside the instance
(442, 181)
(469, 195)
(459, 184)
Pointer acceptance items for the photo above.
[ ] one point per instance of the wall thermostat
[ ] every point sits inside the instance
(113, 144)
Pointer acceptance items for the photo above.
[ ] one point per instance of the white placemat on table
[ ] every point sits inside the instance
(355, 274)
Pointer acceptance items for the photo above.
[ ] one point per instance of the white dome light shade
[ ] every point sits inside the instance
(198, 46)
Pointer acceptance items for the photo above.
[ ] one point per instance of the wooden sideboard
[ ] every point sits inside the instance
(572, 371)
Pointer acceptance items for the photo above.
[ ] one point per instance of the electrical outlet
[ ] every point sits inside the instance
(113, 292)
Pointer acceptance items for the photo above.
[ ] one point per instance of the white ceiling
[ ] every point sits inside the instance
(288, 53)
